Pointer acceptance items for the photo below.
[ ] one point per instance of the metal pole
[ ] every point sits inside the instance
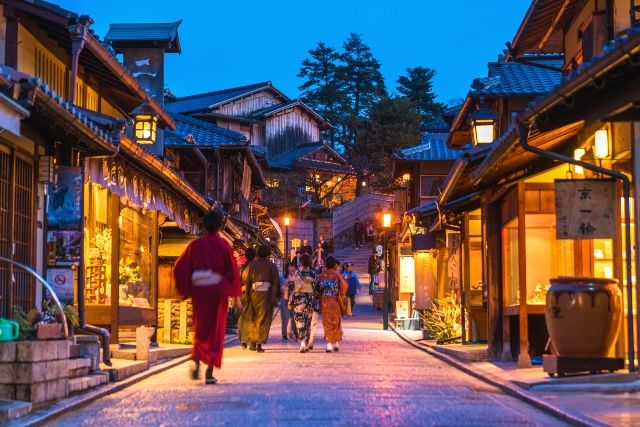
(385, 304)
(286, 249)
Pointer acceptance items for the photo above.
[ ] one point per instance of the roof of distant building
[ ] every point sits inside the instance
(265, 112)
(288, 160)
(296, 158)
(124, 35)
(431, 147)
(195, 132)
(436, 125)
(518, 78)
(209, 100)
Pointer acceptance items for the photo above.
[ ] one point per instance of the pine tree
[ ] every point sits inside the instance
(417, 86)
(394, 123)
(362, 84)
(321, 89)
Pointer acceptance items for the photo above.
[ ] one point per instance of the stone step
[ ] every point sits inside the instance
(12, 409)
(79, 384)
(79, 367)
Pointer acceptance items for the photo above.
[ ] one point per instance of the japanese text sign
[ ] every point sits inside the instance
(585, 209)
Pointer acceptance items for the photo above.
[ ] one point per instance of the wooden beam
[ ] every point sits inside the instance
(11, 37)
(492, 274)
(554, 24)
(524, 361)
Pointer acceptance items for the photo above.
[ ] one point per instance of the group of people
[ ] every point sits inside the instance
(207, 272)
(363, 233)
(318, 256)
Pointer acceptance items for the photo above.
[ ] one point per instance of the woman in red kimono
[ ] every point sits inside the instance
(208, 273)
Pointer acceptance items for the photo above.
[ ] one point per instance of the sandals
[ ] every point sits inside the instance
(210, 381)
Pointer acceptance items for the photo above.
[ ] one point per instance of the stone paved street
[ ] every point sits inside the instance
(375, 379)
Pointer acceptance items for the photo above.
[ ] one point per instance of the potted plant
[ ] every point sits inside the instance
(442, 320)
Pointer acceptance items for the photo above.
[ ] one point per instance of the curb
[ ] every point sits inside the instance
(504, 387)
(42, 416)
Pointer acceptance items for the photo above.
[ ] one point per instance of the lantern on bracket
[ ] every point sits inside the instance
(483, 125)
(145, 125)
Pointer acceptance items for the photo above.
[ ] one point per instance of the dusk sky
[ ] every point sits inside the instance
(232, 43)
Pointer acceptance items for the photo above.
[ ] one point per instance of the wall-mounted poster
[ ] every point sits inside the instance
(453, 265)
(63, 247)
(62, 282)
(65, 199)
(407, 274)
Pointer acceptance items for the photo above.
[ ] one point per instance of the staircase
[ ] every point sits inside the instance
(360, 259)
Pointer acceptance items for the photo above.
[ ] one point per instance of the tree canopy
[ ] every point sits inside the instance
(417, 86)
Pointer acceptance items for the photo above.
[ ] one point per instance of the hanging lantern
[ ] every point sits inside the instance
(483, 126)
(601, 144)
(145, 124)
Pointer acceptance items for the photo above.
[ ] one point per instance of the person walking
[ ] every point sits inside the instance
(371, 232)
(326, 247)
(250, 255)
(208, 273)
(372, 269)
(353, 284)
(286, 315)
(357, 233)
(331, 289)
(318, 257)
(301, 301)
(262, 287)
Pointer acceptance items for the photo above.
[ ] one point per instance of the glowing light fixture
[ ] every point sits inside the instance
(287, 221)
(483, 125)
(386, 220)
(577, 155)
(406, 177)
(145, 125)
(601, 144)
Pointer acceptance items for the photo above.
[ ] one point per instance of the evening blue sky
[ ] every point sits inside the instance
(232, 43)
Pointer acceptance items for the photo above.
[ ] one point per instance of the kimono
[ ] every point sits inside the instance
(262, 282)
(301, 299)
(203, 259)
(242, 319)
(330, 287)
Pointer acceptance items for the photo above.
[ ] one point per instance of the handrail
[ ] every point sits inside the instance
(46, 285)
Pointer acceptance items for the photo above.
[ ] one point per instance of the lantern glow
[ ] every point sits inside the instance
(601, 144)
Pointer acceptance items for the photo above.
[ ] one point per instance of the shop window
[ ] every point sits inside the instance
(99, 245)
(136, 263)
(546, 256)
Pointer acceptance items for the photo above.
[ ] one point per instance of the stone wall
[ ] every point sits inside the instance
(34, 371)
(176, 327)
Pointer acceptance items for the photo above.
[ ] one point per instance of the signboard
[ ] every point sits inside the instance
(402, 309)
(453, 263)
(61, 280)
(585, 209)
(407, 274)
(425, 280)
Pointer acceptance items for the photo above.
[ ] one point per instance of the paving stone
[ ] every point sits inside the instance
(375, 379)
(11, 409)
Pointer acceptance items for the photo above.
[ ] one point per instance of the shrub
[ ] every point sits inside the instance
(443, 318)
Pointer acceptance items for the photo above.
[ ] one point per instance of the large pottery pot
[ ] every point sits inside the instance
(583, 315)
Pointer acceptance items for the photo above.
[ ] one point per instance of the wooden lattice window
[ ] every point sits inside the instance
(16, 230)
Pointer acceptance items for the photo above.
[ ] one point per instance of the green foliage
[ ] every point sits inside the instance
(394, 124)
(26, 322)
(417, 86)
(443, 318)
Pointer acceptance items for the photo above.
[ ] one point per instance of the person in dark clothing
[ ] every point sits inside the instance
(373, 269)
(358, 232)
(250, 254)
(326, 247)
(306, 248)
(296, 259)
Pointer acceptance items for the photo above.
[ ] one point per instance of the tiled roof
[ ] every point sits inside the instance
(436, 125)
(143, 32)
(204, 101)
(515, 78)
(430, 148)
(288, 160)
(326, 166)
(190, 131)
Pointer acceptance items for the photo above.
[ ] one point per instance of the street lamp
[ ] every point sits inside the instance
(287, 221)
(386, 225)
(483, 124)
(145, 124)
